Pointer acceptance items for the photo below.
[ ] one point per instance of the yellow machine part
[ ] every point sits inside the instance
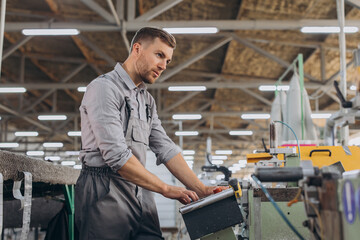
(319, 159)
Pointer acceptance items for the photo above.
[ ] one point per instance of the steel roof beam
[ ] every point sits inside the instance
(222, 25)
(64, 80)
(207, 84)
(193, 59)
(16, 46)
(159, 9)
(99, 10)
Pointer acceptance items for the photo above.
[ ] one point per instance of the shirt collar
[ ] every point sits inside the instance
(126, 78)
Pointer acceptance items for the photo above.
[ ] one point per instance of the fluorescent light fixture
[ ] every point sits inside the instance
(50, 32)
(219, 157)
(189, 157)
(51, 117)
(192, 30)
(188, 152)
(74, 133)
(328, 29)
(35, 153)
(68, 163)
(320, 115)
(72, 153)
(79, 166)
(354, 142)
(26, 134)
(223, 152)
(241, 133)
(265, 88)
(12, 90)
(243, 162)
(353, 87)
(186, 88)
(186, 133)
(186, 116)
(81, 89)
(9, 145)
(217, 162)
(255, 116)
(220, 177)
(53, 144)
(52, 158)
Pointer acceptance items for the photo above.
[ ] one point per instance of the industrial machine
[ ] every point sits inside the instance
(315, 191)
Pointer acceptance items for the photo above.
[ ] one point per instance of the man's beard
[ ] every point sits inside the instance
(145, 79)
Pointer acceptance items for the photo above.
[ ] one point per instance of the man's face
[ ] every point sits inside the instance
(152, 60)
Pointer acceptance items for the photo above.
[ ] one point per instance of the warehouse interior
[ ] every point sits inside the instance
(220, 99)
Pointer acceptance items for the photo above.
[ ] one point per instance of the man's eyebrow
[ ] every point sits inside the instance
(164, 56)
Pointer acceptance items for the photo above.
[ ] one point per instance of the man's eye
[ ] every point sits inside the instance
(158, 54)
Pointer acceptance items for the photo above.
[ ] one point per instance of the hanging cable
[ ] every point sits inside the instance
(277, 207)
(294, 135)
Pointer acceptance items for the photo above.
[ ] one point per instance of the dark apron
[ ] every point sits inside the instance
(110, 207)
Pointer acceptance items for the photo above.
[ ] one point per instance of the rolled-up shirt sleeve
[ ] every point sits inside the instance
(101, 104)
(163, 147)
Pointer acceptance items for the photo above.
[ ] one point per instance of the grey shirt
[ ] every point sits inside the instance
(104, 119)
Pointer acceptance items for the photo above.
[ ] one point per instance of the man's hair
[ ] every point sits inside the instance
(150, 33)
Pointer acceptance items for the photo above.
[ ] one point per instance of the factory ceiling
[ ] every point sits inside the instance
(256, 42)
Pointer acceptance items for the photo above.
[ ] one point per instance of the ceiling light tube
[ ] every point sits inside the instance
(219, 157)
(12, 89)
(241, 133)
(186, 133)
(320, 115)
(50, 32)
(51, 117)
(192, 30)
(53, 158)
(35, 153)
(223, 152)
(79, 166)
(255, 116)
(26, 134)
(53, 144)
(74, 133)
(217, 162)
(9, 145)
(72, 153)
(68, 163)
(81, 89)
(188, 152)
(269, 88)
(328, 29)
(187, 88)
(189, 158)
(186, 116)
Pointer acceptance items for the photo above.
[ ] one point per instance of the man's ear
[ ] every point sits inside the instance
(136, 48)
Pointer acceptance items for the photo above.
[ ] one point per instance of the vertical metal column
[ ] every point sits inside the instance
(181, 138)
(344, 131)
(2, 29)
(69, 202)
(301, 79)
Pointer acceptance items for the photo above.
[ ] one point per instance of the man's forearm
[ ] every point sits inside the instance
(136, 173)
(179, 168)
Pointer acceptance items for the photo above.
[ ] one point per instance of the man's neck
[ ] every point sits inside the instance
(132, 73)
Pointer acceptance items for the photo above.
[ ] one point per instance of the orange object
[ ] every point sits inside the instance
(217, 190)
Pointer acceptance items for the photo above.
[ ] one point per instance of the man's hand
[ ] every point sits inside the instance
(208, 190)
(181, 194)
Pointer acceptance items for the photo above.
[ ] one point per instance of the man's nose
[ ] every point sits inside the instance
(162, 65)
